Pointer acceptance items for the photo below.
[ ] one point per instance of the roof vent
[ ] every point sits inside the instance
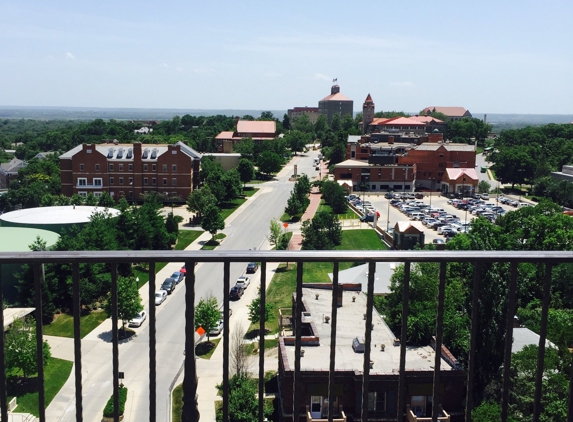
(358, 345)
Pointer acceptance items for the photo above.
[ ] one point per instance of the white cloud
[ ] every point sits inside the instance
(401, 84)
(70, 56)
(321, 77)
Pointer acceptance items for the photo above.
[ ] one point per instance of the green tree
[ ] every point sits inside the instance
(302, 124)
(245, 147)
(212, 221)
(207, 314)
(199, 200)
(294, 206)
(275, 232)
(302, 188)
(243, 402)
(128, 300)
(91, 200)
(255, 309)
(231, 180)
(286, 122)
(246, 170)
(269, 162)
(323, 232)
(77, 199)
(484, 186)
(297, 140)
(336, 123)
(106, 201)
(335, 196)
(172, 227)
(20, 348)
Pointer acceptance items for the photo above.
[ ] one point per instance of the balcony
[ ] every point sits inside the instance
(442, 416)
(79, 403)
(339, 417)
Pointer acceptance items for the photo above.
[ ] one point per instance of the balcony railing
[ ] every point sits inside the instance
(190, 258)
(442, 416)
(339, 418)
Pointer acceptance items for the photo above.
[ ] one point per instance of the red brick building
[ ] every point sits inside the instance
(378, 178)
(130, 170)
(257, 130)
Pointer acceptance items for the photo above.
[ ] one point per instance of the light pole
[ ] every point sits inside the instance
(388, 216)
(466, 217)
(432, 180)
(137, 282)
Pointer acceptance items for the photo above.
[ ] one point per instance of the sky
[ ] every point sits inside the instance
(488, 56)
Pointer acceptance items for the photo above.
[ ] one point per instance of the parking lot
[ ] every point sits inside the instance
(390, 215)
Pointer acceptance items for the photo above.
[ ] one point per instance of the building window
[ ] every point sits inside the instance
(121, 180)
(456, 164)
(145, 167)
(154, 181)
(81, 167)
(353, 154)
(174, 182)
(97, 167)
(145, 181)
(130, 194)
(121, 167)
(83, 194)
(164, 167)
(154, 167)
(130, 166)
(131, 181)
(97, 194)
(174, 168)
(82, 181)
(97, 181)
(377, 401)
(111, 167)
(111, 181)
(164, 181)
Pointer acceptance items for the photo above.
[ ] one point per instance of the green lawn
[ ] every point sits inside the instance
(63, 326)
(213, 243)
(287, 218)
(269, 344)
(283, 284)
(55, 375)
(206, 349)
(177, 403)
(348, 215)
(250, 191)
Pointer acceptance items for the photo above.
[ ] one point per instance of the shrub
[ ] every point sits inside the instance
(108, 410)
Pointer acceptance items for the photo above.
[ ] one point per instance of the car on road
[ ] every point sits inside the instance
(168, 285)
(139, 319)
(243, 281)
(236, 292)
(388, 195)
(177, 276)
(160, 296)
(438, 241)
(217, 329)
(252, 267)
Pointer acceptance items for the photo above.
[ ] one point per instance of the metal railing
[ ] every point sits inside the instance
(190, 258)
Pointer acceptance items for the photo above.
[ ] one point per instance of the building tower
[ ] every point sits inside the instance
(367, 113)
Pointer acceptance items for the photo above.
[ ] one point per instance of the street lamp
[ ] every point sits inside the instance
(137, 282)
(388, 216)
(432, 180)
(466, 217)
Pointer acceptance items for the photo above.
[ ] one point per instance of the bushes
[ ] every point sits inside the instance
(108, 410)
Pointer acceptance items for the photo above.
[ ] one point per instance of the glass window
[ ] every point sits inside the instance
(174, 182)
(82, 181)
(174, 167)
(83, 194)
(154, 167)
(164, 182)
(164, 167)
(81, 167)
(97, 194)
(130, 167)
(111, 180)
(111, 167)
(145, 181)
(121, 180)
(97, 167)
(97, 181)
(131, 180)
(154, 181)
(121, 167)
(145, 167)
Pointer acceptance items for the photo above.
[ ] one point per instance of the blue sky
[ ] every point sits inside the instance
(487, 56)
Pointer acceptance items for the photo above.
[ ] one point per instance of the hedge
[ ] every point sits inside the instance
(108, 411)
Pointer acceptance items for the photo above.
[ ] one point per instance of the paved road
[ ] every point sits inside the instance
(246, 229)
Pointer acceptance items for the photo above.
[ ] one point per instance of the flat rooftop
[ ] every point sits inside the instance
(55, 215)
(351, 324)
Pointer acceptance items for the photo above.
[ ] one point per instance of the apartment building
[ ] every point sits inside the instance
(130, 170)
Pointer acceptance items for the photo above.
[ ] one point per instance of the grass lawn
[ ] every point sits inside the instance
(213, 243)
(283, 284)
(250, 191)
(184, 239)
(287, 218)
(269, 344)
(206, 349)
(177, 403)
(63, 326)
(55, 375)
(348, 215)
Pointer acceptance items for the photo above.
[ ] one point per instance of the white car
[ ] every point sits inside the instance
(160, 296)
(243, 281)
(138, 320)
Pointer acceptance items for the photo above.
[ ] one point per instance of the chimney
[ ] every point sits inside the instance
(339, 291)
(137, 149)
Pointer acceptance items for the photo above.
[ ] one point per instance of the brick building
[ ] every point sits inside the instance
(378, 178)
(310, 112)
(257, 130)
(453, 113)
(130, 170)
(383, 375)
(335, 103)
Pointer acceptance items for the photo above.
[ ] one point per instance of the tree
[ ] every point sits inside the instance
(207, 314)
(245, 147)
(128, 300)
(239, 357)
(302, 188)
(269, 162)
(275, 232)
(255, 310)
(335, 196)
(294, 206)
(199, 200)
(212, 221)
(323, 232)
(336, 124)
(246, 170)
(302, 124)
(105, 200)
(172, 227)
(286, 122)
(243, 402)
(91, 200)
(484, 186)
(296, 140)
(20, 348)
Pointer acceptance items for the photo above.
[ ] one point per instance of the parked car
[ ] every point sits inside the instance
(160, 296)
(367, 218)
(485, 196)
(169, 285)
(438, 241)
(138, 319)
(388, 195)
(177, 276)
(236, 292)
(419, 195)
(252, 267)
(243, 281)
(217, 329)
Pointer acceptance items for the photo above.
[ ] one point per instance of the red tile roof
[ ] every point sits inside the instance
(448, 111)
(336, 97)
(224, 135)
(457, 173)
(426, 119)
(368, 99)
(257, 126)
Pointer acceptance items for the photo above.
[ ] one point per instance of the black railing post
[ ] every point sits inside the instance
(115, 341)
(262, 320)
(3, 387)
(190, 412)
(152, 346)
(77, 339)
(367, 339)
(334, 316)
(511, 306)
(403, 342)
(38, 281)
(226, 289)
(473, 335)
(297, 342)
(439, 331)
(542, 338)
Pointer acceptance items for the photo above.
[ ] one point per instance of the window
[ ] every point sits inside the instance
(164, 167)
(174, 167)
(83, 194)
(373, 187)
(131, 181)
(97, 194)
(130, 166)
(82, 181)
(154, 167)
(111, 167)
(121, 167)
(81, 167)
(145, 167)
(353, 154)
(164, 182)
(154, 181)
(97, 181)
(121, 180)
(174, 182)
(145, 181)
(97, 167)
(377, 401)
(111, 181)
(456, 164)
(130, 194)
